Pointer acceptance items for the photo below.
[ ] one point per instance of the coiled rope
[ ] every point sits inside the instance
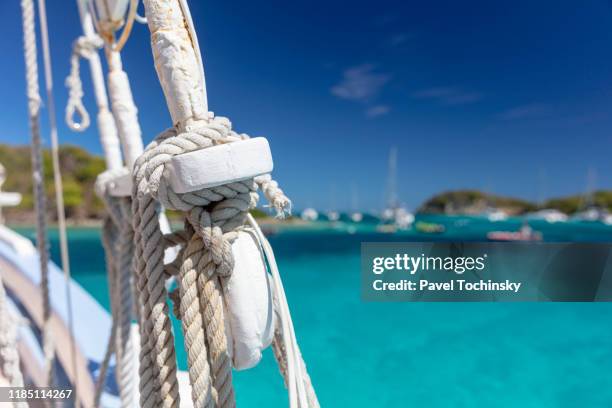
(40, 204)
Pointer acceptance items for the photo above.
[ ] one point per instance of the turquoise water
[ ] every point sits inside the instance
(415, 354)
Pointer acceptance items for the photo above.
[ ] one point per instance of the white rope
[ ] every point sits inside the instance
(118, 245)
(298, 380)
(37, 174)
(123, 108)
(83, 47)
(9, 357)
(59, 190)
(109, 238)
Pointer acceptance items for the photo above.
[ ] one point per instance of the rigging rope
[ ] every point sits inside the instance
(119, 252)
(9, 357)
(83, 47)
(40, 204)
(285, 346)
(117, 237)
(59, 190)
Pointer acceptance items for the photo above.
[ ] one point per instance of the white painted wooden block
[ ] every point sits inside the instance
(219, 165)
(9, 199)
(250, 317)
(121, 186)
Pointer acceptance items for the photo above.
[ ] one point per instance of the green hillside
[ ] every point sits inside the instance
(79, 172)
(474, 202)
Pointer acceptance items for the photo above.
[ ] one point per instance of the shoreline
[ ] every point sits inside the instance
(97, 222)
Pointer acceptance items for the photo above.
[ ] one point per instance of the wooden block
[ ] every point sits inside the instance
(219, 165)
(121, 186)
(250, 316)
(9, 199)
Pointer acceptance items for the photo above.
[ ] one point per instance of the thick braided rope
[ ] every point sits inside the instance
(214, 263)
(118, 245)
(33, 95)
(147, 384)
(192, 320)
(147, 397)
(214, 215)
(123, 257)
(124, 294)
(9, 358)
(206, 257)
(109, 237)
(158, 382)
(201, 302)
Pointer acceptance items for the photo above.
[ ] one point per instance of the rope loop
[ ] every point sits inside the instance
(83, 47)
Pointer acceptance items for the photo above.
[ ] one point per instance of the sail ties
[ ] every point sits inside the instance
(213, 217)
(83, 47)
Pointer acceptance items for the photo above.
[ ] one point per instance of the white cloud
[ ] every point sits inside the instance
(449, 95)
(377, 110)
(530, 110)
(360, 83)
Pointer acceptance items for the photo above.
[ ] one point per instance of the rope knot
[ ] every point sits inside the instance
(83, 47)
(218, 243)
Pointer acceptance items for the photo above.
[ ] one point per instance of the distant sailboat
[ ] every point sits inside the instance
(495, 214)
(549, 215)
(332, 214)
(394, 216)
(590, 211)
(356, 215)
(309, 214)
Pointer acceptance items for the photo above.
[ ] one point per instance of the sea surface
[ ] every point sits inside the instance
(413, 354)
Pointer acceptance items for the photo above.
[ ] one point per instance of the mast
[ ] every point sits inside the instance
(392, 200)
(178, 66)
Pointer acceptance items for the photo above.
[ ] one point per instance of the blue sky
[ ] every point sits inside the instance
(511, 97)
